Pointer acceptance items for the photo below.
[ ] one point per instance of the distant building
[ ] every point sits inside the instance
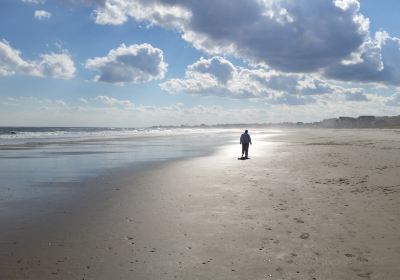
(329, 123)
(347, 122)
(366, 121)
(361, 122)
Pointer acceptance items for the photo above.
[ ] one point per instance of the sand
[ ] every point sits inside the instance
(309, 204)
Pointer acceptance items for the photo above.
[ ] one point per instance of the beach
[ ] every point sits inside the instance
(308, 204)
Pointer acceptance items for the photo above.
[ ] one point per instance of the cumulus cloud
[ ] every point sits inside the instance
(54, 65)
(376, 60)
(12, 63)
(357, 95)
(293, 36)
(302, 36)
(111, 101)
(129, 64)
(218, 67)
(42, 15)
(155, 13)
(218, 76)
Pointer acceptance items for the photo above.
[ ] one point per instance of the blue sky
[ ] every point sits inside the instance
(141, 63)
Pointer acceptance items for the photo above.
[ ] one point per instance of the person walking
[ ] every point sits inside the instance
(245, 140)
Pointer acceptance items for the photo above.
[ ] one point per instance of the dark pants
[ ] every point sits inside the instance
(245, 149)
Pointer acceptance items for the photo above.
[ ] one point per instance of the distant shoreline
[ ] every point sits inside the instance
(384, 122)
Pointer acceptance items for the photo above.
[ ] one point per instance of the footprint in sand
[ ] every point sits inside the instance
(366, 275)
(267, 227)
(304, 235)
(298, 220)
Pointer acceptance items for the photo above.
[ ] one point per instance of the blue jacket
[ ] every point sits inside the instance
(245, 138)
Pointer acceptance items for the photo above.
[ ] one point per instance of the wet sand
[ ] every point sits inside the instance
(309, 204)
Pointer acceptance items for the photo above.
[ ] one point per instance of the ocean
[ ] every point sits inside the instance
(33, 157)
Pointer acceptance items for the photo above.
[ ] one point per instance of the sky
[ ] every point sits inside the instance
(137, 63)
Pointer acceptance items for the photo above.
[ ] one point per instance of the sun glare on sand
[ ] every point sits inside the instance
(261, 144)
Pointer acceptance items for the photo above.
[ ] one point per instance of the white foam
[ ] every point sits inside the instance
(78, 134)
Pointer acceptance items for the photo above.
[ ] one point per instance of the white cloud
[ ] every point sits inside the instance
(54, 65)
(394, 100)
(35, 111)
(83, 100)
(129, 64)
(111, 101)
(57, 65)
(302, 35)
(11, 62)
(376, 60)
(290, 36)
(118, 11)
(356, 95)
(222, 69)
(218, 76)
(42, 15)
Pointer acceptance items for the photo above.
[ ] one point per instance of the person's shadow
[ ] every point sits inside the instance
(243, 158)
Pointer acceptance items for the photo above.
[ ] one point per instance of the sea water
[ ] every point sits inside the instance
(33, 157)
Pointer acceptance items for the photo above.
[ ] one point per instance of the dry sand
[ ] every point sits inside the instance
(312, 204)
